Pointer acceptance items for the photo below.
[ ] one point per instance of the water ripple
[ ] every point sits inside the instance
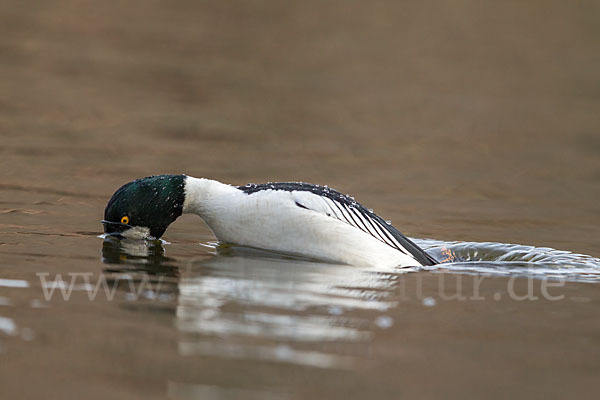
(512, 259)
(250, 304)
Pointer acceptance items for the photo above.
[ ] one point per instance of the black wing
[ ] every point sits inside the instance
(344, 208)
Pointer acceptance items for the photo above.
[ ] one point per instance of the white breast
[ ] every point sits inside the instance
(287, 221)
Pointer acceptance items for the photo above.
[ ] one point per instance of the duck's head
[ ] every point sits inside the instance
(145, 207)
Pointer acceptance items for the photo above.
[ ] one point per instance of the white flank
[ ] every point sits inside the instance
(271, 219)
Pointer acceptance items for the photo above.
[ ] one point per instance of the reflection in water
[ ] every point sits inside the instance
(140, 269)
(272, 308)
(137, 256)
(189, 391)
(251, 304)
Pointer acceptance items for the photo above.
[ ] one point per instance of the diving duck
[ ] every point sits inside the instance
(289, 217)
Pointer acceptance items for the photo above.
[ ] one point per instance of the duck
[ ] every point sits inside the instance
(294, 218)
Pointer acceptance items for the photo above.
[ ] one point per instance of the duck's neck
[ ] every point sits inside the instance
(203, 196)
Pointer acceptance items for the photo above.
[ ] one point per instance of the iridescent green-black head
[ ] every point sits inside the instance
(145, 206)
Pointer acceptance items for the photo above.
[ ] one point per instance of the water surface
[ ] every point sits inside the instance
(474, 128)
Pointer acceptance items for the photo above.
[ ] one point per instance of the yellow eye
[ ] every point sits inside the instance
(125, 220)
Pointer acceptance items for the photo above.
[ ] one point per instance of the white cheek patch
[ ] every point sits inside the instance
(136, 232)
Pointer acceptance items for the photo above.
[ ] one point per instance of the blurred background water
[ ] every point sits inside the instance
(470, 125)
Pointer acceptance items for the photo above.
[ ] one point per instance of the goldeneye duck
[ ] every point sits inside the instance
(289, 217)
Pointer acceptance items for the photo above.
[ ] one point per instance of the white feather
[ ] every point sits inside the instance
(271, 219)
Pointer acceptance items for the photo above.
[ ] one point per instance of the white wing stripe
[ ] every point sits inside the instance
(333, 209)
(353, 216)
(380, 231)
(348, 216)
(383, 235)
(366, 223)
(377, 231)
(342, 213)
(396, 244)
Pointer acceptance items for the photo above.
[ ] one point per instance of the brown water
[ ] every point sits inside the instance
(459, 121)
